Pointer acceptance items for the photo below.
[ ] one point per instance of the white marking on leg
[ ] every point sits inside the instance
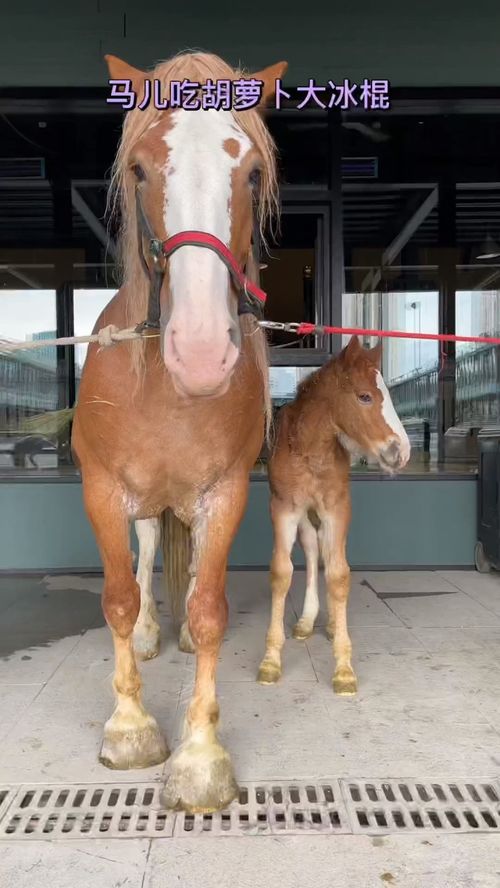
(146, 630)
(309, 540)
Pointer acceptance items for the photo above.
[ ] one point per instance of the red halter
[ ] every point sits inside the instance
(251, 299)
(203, 239)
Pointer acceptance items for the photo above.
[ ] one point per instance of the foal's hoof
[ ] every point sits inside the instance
(345, 682)
(141, 747)
(201, 779)
(302, 630)
(269, 672)
(185, 641)
(147, 641)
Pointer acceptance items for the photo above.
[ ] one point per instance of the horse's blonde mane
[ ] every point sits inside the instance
(197, 67)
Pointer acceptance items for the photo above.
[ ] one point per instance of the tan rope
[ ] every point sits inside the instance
(105, 337)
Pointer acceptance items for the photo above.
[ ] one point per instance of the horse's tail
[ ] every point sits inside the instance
(51, 423)
(176, 545)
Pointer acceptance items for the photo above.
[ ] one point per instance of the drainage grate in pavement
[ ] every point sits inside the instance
(112, 811)
(86, 811)
(394, 806)
(273, 808)
(7, 794)
(270, 808)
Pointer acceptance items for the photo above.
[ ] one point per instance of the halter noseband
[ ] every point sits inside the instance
(251, 299)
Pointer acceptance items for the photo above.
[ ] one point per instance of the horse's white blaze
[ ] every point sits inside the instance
(198, 175)
(391, 417)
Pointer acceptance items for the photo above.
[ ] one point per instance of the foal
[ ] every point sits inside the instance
(341, 409)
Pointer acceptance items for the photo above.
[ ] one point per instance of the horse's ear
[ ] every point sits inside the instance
(353, 347)
(269, 76)
(120, 70)
(375, 354)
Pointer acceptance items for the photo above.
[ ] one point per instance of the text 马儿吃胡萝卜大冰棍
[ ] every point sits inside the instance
(243, 94)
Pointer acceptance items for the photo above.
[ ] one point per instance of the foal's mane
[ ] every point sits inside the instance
(197, 67)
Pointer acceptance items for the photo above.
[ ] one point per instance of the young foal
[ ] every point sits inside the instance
(176, 422)
(341, 409)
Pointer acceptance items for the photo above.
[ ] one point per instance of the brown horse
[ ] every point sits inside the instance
(175, 422)
(341, 409)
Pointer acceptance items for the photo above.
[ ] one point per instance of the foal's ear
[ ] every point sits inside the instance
(353, 347)
(375, 355)
(120, 70)
(269, 76)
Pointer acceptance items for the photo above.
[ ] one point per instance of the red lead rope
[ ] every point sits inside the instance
(305, 329)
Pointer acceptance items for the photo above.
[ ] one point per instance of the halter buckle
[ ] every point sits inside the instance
(155, 248)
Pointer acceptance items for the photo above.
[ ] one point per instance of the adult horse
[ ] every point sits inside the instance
(176, 422)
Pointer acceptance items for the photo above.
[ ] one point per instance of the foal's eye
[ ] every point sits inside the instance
(254, 178)
(365, 398)
(138, 172)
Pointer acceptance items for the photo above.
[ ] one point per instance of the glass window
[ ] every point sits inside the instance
(28, 381)
(87, 306)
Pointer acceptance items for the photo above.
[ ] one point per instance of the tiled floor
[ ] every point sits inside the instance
(427, 654)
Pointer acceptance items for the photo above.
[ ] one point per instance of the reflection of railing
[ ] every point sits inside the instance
(477, 390)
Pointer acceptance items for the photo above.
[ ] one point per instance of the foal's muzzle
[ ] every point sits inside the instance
(394, 455)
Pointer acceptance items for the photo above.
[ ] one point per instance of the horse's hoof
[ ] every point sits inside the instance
(269, 672)
(302, 630)
(345, 682)
(185, 641)
(141, 747)
(201, 779)
(147, 641)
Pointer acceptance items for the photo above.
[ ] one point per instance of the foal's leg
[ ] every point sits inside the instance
(333, 535)
(132, 738)
(201, 776)
(309, 540)
(147, 630)
(285, 523)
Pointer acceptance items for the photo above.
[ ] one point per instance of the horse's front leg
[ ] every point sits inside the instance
(201, 776)
(132, 738)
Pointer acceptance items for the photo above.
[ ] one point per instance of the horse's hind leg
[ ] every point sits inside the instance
(132, 738)
(309, 540)
(285, 523)
(332, 535)
(147, 630)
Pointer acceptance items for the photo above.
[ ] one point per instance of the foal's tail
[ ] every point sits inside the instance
(176, 545)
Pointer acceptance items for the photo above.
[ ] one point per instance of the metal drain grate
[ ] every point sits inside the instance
(394, 806)
(7, 794)
(271, 808)
(87, 811)
(111, 811)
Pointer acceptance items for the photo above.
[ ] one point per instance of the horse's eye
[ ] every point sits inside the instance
(365, 398)
(138, 172)
(254, 178)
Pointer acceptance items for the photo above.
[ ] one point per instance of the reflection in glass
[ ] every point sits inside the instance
(478, 365)
(28, 380)
(88, 305)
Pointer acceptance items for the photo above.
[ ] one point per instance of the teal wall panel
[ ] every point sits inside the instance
(395, 523)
